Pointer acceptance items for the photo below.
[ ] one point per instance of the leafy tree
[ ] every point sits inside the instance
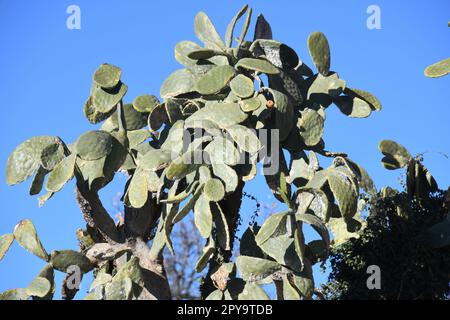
(406, 234)
(195, 150)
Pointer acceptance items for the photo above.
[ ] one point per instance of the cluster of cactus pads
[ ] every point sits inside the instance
(220, 91)
(420, 184)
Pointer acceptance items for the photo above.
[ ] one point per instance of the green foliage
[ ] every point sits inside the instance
(172, 171)
(405, 235)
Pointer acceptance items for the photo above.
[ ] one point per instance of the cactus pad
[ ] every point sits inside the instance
(107, 76)
(258, 65)
(26, 235)
(320, 52)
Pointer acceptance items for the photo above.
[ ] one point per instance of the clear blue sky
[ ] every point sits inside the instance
(47, 72)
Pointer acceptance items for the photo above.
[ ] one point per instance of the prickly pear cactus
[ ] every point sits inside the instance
(194, 150)
(413, 222)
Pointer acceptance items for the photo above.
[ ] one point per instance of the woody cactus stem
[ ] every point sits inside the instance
(230, 206)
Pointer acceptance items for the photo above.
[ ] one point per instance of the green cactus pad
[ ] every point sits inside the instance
(93, 115)
(353, 107)
(155, 160)
(26, 235)
(215, 295)
(107, 76)
(438, 69)
(38, 181)
(204, 258)
(145, 103)
(251, 104)
(101, 279)
(51, 155)
(279, 54)
(92, 170)
(48, 273)
(288, 81)
(222, 229)
(282, 249)
(254, 269)
(203, 54)
(44, 198)
(242, 86)
(311, 127)
(222, 151)
(300, 170)
(341, 232)
(258, 65)
(39, 287)
(62, 173)
(366, 96)
(6, 241)
(183, 195)
(62, 260)
(320, 52)
(223, 114)
(273, 226)
(174, 111)
(253, 291)
(395, 155)
(188, 206)
(214, 190)
(15, 294)
(136, 137)
(227, 175)
(363, 179)
(131, 119)
(174, 140)
(138, 189)
(158, 116)
(231, 26)
(94, 145)
(344, 192)
(317, 224)
(304, 282)
(314, 200)
(322, 86)
(25, 159)
(183, 165)
(182, 49)
(179, 82)
(131, 270)
(284, 113)
(119, 290)
(206, 32)
(203, 217)
(215, 80)
(245, 27)
(245, 138)
(104, 100)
